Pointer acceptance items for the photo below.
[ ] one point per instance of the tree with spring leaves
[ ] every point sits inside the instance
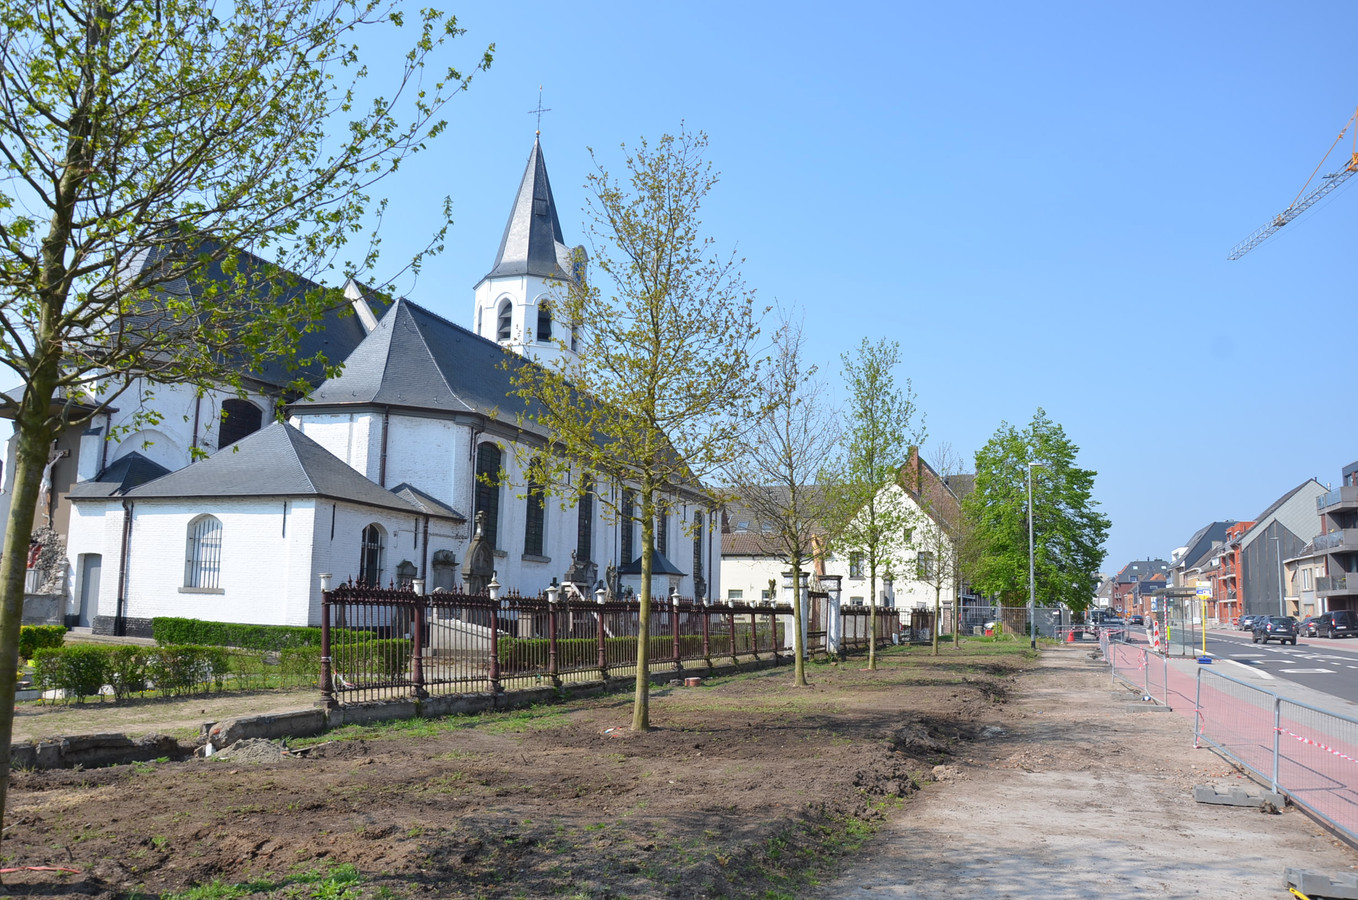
(883, 423)
(1068, 529)
(152, 158)
(660, 394)
(783, 476)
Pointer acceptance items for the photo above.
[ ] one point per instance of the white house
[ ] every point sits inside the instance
(376, 475)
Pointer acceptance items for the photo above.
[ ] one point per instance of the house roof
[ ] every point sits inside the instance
(1141, 568)
(120, 476)
(1203, 542)
(431, 505)
(277, 461)
(256, 282)
(660, 565)
(1294, 511)
(748, 543)
(532, 243)
(418, 360)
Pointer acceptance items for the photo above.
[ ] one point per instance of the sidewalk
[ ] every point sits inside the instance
(1083, 798)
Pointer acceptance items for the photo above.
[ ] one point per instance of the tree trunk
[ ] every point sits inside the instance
(33, 439)
(798, 645)
(938, 605)
(641, 701)
(872, 614)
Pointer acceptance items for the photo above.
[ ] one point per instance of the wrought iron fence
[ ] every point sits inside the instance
(385, 644)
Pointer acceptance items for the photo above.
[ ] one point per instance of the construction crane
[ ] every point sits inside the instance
(1302, 203)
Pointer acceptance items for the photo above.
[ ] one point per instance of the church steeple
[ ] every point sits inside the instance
(532, 242)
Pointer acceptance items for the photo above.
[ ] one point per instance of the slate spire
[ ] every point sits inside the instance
(532, 242)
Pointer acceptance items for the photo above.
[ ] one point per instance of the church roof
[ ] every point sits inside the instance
(532, 242)
(120, 476)
(425, 502)
(277, 461)
(417, 360)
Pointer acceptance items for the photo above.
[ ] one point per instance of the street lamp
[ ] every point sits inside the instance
(1032, 580)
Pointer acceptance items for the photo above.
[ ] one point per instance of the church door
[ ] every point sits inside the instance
(90, 565)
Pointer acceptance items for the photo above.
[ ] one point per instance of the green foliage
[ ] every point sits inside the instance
(387, 659)
(80, 670)
(36, 637)
(169, 630)
(127, 671)
(1068, 529)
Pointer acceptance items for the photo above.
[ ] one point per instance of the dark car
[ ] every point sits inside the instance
(1247, 621)
(1136, 620)
(1283, 629)
(1307, 628)
(1337, 623)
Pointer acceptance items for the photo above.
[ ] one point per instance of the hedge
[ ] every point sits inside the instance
(37, 637)
(574, 653)
(385, 659)
(82, 670)
(170, 630)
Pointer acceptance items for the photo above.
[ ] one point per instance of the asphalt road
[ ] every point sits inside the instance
(1321, 664)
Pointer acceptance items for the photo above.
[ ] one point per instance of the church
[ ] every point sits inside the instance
(232, 508)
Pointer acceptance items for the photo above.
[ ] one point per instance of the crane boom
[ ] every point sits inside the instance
(1328, 183)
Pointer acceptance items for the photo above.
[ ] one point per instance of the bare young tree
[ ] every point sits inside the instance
(660, 394)
(782, 476)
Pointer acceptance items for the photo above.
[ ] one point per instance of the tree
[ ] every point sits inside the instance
(659, 395)
(883, 426)
(1068, 529)
(782, 475)
(948, 537)
(150, 147)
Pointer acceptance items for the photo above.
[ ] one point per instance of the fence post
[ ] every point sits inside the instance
(327, 672)
(754, 633)
(552, 671)
(495, 685)
(603, 651)
(1197, 711)
(773, 632)
(707, 636)
(1277, 732)
(1166, 665)
(731, 618)
(417, 641)
(674, 630)
(1146, 670)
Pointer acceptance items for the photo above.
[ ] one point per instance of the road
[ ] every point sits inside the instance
(1321, 664)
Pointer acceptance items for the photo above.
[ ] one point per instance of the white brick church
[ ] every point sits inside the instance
(376, 476)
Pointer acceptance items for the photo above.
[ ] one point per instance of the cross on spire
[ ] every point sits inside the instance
(539, 111)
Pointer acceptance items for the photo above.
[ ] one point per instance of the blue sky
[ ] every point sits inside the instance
(1036, 201)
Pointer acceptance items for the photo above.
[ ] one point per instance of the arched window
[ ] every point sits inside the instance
(506, 325)
(239, 419)
(544, 332)
(584, 524)
(697, 544)
(488, 489)
(203, 554)
(533, 521)
(662, 530)
(626, 523)
(370, 556)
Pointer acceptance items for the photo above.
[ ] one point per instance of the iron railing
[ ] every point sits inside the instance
(385, 644)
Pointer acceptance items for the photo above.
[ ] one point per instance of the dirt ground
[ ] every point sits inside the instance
(987, 775)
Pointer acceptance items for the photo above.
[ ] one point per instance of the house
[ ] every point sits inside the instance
(1338, 543)
(916, 570)
(1126, 597)
(1282, 530)
(384, 474)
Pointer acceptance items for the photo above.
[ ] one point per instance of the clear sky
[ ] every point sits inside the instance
(1037, 200)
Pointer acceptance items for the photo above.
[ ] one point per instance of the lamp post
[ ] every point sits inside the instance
(1032, 579)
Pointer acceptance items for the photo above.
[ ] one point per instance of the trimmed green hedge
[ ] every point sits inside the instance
(169, 630)
(384, 659)
(517, 654)
(37, 637)
(82, 670)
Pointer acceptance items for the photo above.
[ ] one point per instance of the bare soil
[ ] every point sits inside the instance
(746, 788)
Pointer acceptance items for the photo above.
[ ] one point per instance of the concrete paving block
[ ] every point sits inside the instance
(1317, 885)
(1236, 795)
(1147, 707)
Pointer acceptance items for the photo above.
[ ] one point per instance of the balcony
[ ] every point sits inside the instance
(1345, 497)
(1332, 585)
(1344, 540)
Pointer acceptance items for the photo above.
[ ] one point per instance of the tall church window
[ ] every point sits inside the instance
(662, 532)
(625, 522)
(488, 489)
(239, 419)
(584, 523)
(533, 521)
(698, 544)
(506, 323)
(544, 332)
(370, 556)
(203, 554)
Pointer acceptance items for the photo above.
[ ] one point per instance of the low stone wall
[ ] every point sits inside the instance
(92, 750)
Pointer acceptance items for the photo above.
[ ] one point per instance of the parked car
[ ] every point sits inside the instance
(1337, 623)
(1136, 620)
(1307, 628)
(1247, 621)
(1283, 629)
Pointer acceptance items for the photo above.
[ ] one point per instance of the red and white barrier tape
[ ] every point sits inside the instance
(1312, 743)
